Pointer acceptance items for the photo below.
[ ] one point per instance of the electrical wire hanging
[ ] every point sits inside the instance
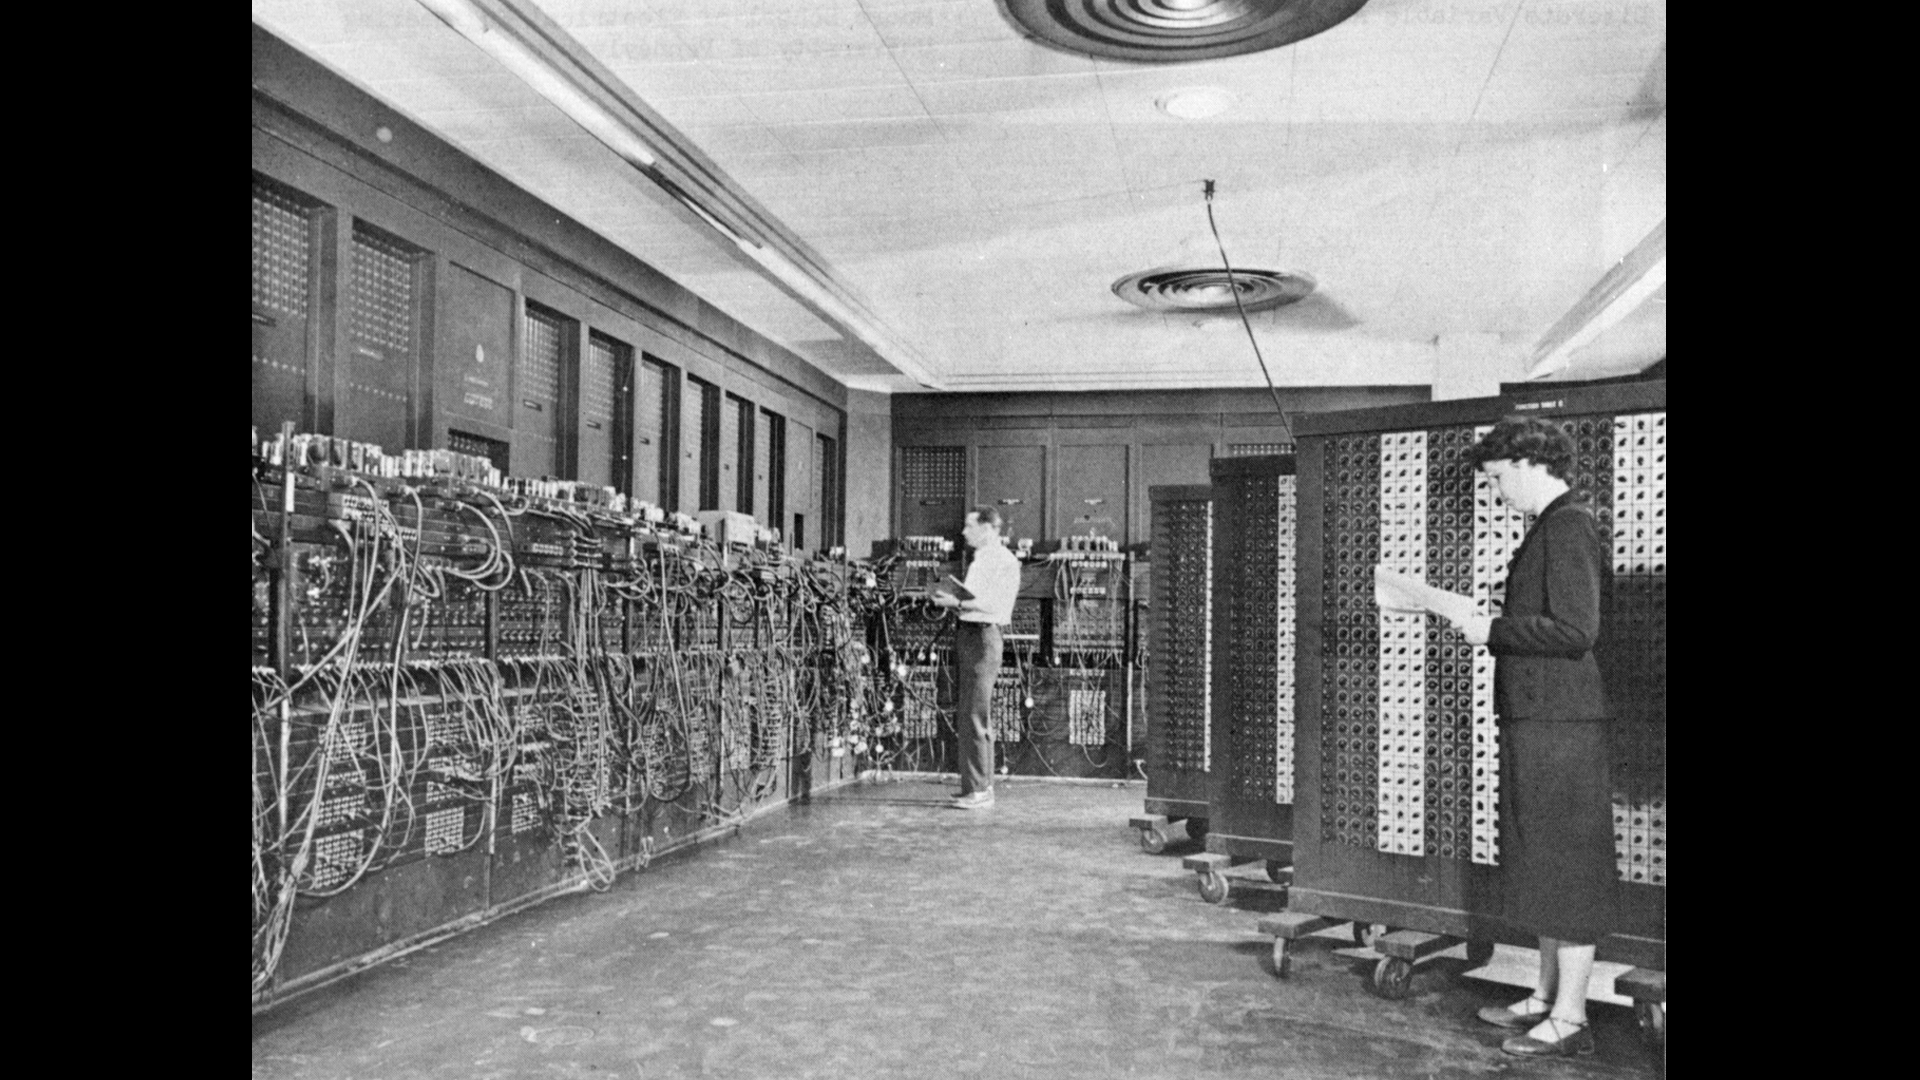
(1247, 324)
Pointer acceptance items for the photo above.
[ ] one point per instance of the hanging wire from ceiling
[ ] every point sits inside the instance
(1234, 287)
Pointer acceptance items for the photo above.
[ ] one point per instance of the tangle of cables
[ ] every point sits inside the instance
(445, 665)
(539, 674)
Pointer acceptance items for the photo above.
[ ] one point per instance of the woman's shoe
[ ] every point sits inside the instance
(1569, 1039)
(1502, 1016)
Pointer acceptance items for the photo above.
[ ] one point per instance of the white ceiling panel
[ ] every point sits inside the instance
(660, 83)
(735, 141)
(684, 10)
(816, 106)
(819, 71)
(795, 36)
(581, 15)
(696, 114)
(951, 22)
(1075, 98)
(970, 60)
(858, 135)
(1439, 168)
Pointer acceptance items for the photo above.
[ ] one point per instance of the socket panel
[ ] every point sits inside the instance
(1410, 747)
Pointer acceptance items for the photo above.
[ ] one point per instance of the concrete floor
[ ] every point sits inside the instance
(877, 933)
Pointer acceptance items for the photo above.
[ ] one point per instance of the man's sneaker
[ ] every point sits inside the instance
(979, 800)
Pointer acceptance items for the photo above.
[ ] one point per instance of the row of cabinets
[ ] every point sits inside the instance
(360, 333)
(1046, 490)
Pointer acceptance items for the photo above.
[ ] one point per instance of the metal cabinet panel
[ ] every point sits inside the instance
(474, 353)
(1093, 491)
(1014, 479)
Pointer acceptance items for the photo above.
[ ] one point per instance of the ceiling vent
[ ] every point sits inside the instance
(1171, 31)
(1174, 289)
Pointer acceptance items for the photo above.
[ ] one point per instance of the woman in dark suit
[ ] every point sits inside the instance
(1555, 804)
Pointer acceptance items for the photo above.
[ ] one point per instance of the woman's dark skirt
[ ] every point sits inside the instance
(1556, 829)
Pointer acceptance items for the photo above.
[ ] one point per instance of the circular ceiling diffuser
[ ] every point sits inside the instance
(1173, 289)
(1169, 31)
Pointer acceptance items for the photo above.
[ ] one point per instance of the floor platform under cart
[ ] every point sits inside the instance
(1398, 954)
(1155, 826)
(1212, 867)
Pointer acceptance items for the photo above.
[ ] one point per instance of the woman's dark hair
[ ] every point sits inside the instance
(987, 515)
(1526, 438)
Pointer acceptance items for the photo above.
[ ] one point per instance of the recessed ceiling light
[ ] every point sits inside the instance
(1196, 102)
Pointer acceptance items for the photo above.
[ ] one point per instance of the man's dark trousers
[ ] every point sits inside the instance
(976, 663)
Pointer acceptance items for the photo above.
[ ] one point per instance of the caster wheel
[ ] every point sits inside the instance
(1278, 872)
(1282, 958)
(1153, 841)
(1653, 1022)
(1479, 953)
(1392, 977)
(1213, 888)
(1197, 829)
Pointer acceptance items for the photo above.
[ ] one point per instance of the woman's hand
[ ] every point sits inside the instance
(1475, 628)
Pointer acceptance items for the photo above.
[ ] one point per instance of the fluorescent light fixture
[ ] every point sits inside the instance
(477, 26)
(1638, 275)
(473, 25)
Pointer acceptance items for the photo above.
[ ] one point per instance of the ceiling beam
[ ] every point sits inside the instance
(528, 43)
(1638, 275)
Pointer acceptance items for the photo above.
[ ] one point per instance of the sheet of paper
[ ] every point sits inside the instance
(1395, 591)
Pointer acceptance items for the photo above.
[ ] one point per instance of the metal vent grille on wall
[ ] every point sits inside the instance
(934, 472)
(284, 389)
(606, 451)
(381, 303)
(600, 384)
(540, 363)
(763, 472)
(380, 318)
(826, 467)
(656, 464)
(933, 490)
(282, 251)
(736, 454)
(537, 391)
(702, 445)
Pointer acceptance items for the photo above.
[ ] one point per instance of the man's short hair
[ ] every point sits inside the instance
(1526, 438)
(988, 515)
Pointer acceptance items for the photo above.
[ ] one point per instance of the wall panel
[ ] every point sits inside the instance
(1014, 479)
(803, 497)
(1093, 491)
(1144, 438)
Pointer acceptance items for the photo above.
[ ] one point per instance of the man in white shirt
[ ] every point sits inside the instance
(993, 581)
